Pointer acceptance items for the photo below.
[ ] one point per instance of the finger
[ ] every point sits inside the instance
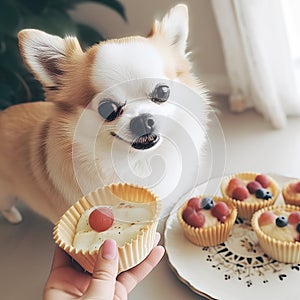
(102, 285)
(60, 258)
(132, 277)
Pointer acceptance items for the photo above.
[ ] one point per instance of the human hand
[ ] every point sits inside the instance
(65, 282)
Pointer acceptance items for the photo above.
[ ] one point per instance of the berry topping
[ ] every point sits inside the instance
(253, 186)
(263, 180)
(233, 183)
(196, 219)
(295, 187)
(268, 195)
(266, 218)
(294, 218)
(298, 228)
(281, 221)
(207, 203)
(263, 194)
(240, 193)
(101, 219)
(220, 211)
(186, 212)
(195, 203)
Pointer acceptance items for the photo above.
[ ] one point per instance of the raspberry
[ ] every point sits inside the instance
(196, 219)
(266, 218)
(263, 180)
(240, 193)
(220, 211)
(294, 218)
(186, 212)
(195, 202)
(233, 183)
(295, 187)
(101, 219)
(252, 186)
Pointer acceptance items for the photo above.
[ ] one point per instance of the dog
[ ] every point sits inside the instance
(103, 118)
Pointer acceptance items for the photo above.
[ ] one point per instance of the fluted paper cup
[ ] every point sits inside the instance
(134, 250)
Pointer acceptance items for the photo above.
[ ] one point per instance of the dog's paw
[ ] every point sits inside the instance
(12, 215)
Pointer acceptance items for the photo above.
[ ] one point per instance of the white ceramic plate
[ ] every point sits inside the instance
(236, 269)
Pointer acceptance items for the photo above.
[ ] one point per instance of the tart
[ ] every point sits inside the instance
(127, 213)
(278, 232)
(207, 221)
(291, 193)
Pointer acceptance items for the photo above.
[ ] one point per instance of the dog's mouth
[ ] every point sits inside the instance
(143, 142)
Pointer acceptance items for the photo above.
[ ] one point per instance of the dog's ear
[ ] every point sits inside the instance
(46, 54)
(174, 27)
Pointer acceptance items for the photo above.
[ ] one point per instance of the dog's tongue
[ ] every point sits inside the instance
(145, 141)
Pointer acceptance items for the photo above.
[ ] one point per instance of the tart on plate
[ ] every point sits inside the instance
(206, 220)
(278, 232)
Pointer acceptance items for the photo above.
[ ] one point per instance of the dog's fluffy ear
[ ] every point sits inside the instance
(174, 27)
(46, 54)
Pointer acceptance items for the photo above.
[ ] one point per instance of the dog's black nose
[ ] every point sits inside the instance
(142, 124)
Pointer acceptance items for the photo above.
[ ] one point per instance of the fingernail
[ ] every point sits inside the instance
(109, 250)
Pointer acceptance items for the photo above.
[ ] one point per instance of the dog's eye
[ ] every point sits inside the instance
(109, 110)
(161, 93)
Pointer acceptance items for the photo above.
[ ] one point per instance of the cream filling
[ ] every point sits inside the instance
(287, 233)
(129, 220)
(210, 220)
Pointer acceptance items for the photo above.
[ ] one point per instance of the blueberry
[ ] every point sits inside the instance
(260, 193)
(207, 203)
(281, 221)
(298, 227)
(268, 195)
(263, 194)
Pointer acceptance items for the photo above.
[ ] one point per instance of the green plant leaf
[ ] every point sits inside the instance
(9, 17)
(6, 95)
(9, 55)
(113, 4)
(88, 36)
(53, 22)
(35, 6)
(16, 83)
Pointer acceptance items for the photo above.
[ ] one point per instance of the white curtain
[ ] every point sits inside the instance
(258, 58)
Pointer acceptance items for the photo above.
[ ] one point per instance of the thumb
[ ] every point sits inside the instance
(102, 286)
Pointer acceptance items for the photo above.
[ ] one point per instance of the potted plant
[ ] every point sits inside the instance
(16, 83)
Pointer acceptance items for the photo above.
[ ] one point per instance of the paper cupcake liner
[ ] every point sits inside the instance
(290, 198)
(130, 254)
(209, 236)
(246, 209)
(287, 252)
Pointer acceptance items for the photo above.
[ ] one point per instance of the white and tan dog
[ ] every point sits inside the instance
(90, 132)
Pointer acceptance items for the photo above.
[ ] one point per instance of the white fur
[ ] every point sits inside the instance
(119, 62)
